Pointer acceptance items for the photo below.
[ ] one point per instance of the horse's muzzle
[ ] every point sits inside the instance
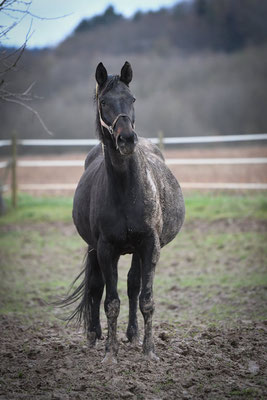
(126, 142)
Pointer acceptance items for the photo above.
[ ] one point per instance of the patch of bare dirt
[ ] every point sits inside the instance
(227, 225)
(223, 225)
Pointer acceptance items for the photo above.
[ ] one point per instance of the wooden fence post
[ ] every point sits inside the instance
(161, 144)
(14, 170)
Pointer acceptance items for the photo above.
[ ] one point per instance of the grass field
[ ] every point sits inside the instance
(210, 295)
(39, 233)
(198, 206)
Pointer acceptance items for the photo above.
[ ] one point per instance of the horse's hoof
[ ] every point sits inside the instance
(151, 356)
(109, 359)
(136, 341)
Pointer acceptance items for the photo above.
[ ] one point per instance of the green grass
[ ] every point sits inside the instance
(247, 393)
(208, 206)
(218, 206)
(37, 263)
(209, 275)
(38, 209)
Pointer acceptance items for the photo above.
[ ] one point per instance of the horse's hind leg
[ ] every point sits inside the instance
(95, 292)
(108, 261)
(134, 284)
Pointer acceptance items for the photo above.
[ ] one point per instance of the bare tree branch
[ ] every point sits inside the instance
(13, 65)
(10, 61)
(7, 6)
(20, 52)
(35, 112)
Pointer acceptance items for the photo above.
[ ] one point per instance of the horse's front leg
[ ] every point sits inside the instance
(108, 262)
(134, 284)
(94, 291)
(149, 255)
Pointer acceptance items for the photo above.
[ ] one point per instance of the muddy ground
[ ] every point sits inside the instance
(44, 361)
(210, 322)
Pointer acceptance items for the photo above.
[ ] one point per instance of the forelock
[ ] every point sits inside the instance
(111, 83)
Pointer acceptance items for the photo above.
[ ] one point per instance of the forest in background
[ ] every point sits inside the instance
(199, 69)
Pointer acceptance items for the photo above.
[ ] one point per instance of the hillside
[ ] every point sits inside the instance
(181, 89)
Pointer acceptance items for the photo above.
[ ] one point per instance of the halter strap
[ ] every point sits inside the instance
(111, 127)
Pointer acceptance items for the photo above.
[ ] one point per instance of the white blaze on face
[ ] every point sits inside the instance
(151, 182)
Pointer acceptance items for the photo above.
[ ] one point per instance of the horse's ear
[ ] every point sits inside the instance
(101, 74)
(126, 73)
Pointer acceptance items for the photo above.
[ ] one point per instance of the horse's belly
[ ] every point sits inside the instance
(173, 217)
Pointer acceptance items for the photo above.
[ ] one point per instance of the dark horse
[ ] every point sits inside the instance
(127, 201)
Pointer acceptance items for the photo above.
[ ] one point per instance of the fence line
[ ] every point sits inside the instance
(226, 185)
(215, 161)
(161, 140)
(4, 164)
(169, 161)
(184, 185)
(165, 140)
(5, 143)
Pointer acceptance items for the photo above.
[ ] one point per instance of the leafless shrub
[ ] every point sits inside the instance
(16, 10)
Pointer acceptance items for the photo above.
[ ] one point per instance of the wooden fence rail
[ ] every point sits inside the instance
(14, 163)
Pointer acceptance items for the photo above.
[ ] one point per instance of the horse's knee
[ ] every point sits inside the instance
(112, 308)
(147, 306)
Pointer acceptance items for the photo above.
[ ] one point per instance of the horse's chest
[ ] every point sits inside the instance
(131, 216)
(124, 226)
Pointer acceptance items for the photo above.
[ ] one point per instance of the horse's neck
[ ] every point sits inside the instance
(123, 172)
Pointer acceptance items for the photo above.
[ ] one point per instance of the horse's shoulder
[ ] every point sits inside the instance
(154, 166)
(94, 153)
(150, 149)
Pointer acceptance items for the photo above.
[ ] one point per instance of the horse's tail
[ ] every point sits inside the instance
(83, 310)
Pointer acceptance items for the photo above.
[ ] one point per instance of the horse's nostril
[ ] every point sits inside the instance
(121, 139)
(125, 139)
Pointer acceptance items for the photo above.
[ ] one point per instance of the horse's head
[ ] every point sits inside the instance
(115, 107)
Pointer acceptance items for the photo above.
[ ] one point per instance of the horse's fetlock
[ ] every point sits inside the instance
(91, 337)
(148, 346)
(132, 332)
(112, 346)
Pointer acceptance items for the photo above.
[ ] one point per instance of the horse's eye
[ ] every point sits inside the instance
(102, 103)
(134, 99)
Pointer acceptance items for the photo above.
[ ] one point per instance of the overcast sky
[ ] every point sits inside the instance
(51, 32)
